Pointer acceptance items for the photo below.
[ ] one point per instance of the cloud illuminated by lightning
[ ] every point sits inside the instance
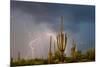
(40, 39)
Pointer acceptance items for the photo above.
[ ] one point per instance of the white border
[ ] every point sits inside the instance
(5, 33)
(84, 2)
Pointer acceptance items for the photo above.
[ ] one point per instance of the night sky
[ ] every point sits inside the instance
(32, 24)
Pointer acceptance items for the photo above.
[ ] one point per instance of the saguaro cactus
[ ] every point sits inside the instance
(61, 41)
(18, 56)
(54, 48)
(73, 50)
(50, 53)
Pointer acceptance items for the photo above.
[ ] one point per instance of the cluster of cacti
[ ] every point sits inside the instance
(61, 41)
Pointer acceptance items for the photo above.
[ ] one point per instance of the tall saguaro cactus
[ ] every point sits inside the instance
(73, 50)
(50, 53)
(61, 41)
(54, 47)
(18, 56)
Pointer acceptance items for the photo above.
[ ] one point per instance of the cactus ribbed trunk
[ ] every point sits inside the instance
(73, 50)
(18, 56)
(50, 53)
(61, 41)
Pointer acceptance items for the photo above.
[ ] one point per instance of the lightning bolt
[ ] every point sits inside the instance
(39, 39)
(32, 43)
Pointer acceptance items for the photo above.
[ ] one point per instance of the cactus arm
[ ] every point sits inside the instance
(58, 43)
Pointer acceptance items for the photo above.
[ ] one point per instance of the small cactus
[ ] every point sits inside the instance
(50, 53)
(73, 50)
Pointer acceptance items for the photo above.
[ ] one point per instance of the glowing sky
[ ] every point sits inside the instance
(32, 24)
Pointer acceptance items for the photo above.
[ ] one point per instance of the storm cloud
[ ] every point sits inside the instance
(32, 23)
